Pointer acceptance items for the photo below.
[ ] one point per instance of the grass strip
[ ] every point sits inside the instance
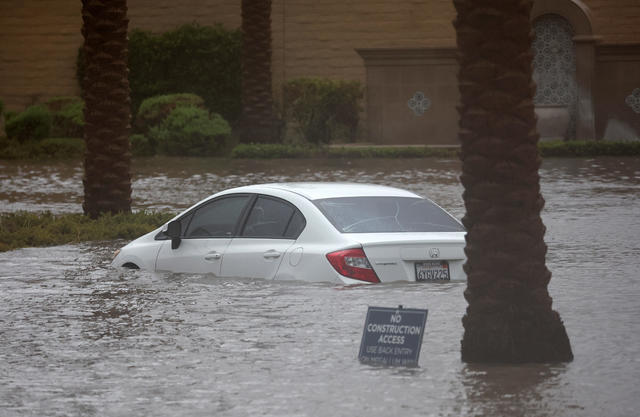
(357, 152)
(588, 148)
(276, 151)
(565, 149)
(27, 229)
(66, 148)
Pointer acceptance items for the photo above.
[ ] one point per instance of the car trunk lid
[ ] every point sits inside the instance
(394, 256)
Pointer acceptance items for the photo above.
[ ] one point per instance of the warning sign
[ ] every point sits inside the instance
(392, 336)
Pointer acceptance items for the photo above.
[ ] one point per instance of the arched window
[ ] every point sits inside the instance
(555, 66)
(577, 16)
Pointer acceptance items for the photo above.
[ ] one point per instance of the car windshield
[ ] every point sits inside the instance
(386, 214)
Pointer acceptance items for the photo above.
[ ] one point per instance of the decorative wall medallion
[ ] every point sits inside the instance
(419, 103)
(633, 100)
(554, 66)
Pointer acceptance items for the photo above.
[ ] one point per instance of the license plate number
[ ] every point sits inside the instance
(432, 271)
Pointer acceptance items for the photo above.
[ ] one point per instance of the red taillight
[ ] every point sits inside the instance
(353, 263)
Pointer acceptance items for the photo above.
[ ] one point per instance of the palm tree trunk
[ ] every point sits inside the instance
(509, 317)
(257, 123)
(107, 164)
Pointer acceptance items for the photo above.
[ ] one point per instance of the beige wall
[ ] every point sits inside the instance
(162, 15)
(617, 21)
(618, 74)
(394, 77)
(319, 37)
(39, 40)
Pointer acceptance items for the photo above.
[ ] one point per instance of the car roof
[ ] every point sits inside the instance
(320, 190)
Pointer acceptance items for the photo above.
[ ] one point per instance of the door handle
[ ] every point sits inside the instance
(271, 254)
(212, 256)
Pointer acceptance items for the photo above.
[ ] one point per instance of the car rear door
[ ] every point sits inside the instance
(271, 228)
(206, 233)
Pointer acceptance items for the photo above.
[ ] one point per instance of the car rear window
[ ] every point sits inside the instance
(386, 215)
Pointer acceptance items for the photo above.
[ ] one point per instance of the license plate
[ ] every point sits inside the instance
(432, 271)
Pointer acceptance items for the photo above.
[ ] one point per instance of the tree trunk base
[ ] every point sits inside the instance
(526, 335)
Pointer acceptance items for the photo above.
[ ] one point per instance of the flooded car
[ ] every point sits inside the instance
(341, 232)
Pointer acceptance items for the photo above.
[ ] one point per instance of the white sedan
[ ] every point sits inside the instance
(345, 233)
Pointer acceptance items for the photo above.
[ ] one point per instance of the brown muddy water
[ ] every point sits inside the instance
(80, 339)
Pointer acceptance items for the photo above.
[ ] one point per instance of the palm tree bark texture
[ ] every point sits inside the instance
(107, 164)
(509, 318)
(257, 123)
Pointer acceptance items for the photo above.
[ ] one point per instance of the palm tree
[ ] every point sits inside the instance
(509, 316)
(107, 178)
(257, 122)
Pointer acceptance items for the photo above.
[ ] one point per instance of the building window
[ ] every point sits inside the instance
(554, 66)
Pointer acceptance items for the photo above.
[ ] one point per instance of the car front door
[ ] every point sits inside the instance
(270, 229)
(206, 232)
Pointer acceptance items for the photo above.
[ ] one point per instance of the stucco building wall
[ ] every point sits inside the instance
(39, 40)
(38, 47)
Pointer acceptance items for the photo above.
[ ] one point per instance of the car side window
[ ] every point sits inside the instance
(269, 218)
(184, 222)
(218, 218)
(296, 226)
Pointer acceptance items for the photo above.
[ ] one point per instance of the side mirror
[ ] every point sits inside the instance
(174, 230)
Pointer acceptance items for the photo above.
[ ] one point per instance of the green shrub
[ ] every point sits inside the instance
(9, 114)
(1, 108)
(57, 148)
(67, 116)
(191, 131)
(323, 109)
(154, 110)
(32, 124)
(5, 142)
(204, 60)
(60, 148)
(142, 146)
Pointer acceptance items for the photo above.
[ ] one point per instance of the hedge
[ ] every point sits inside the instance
(49, 148)
(142, 145)
(588, 148)
(67, 117)
(204, 60)
(323, 109)
(191, 131)
(273, 151)
(547, 149)
(154, 110)
(32, 124)
(73, 148)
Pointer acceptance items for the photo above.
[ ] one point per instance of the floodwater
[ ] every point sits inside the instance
(80, 339)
